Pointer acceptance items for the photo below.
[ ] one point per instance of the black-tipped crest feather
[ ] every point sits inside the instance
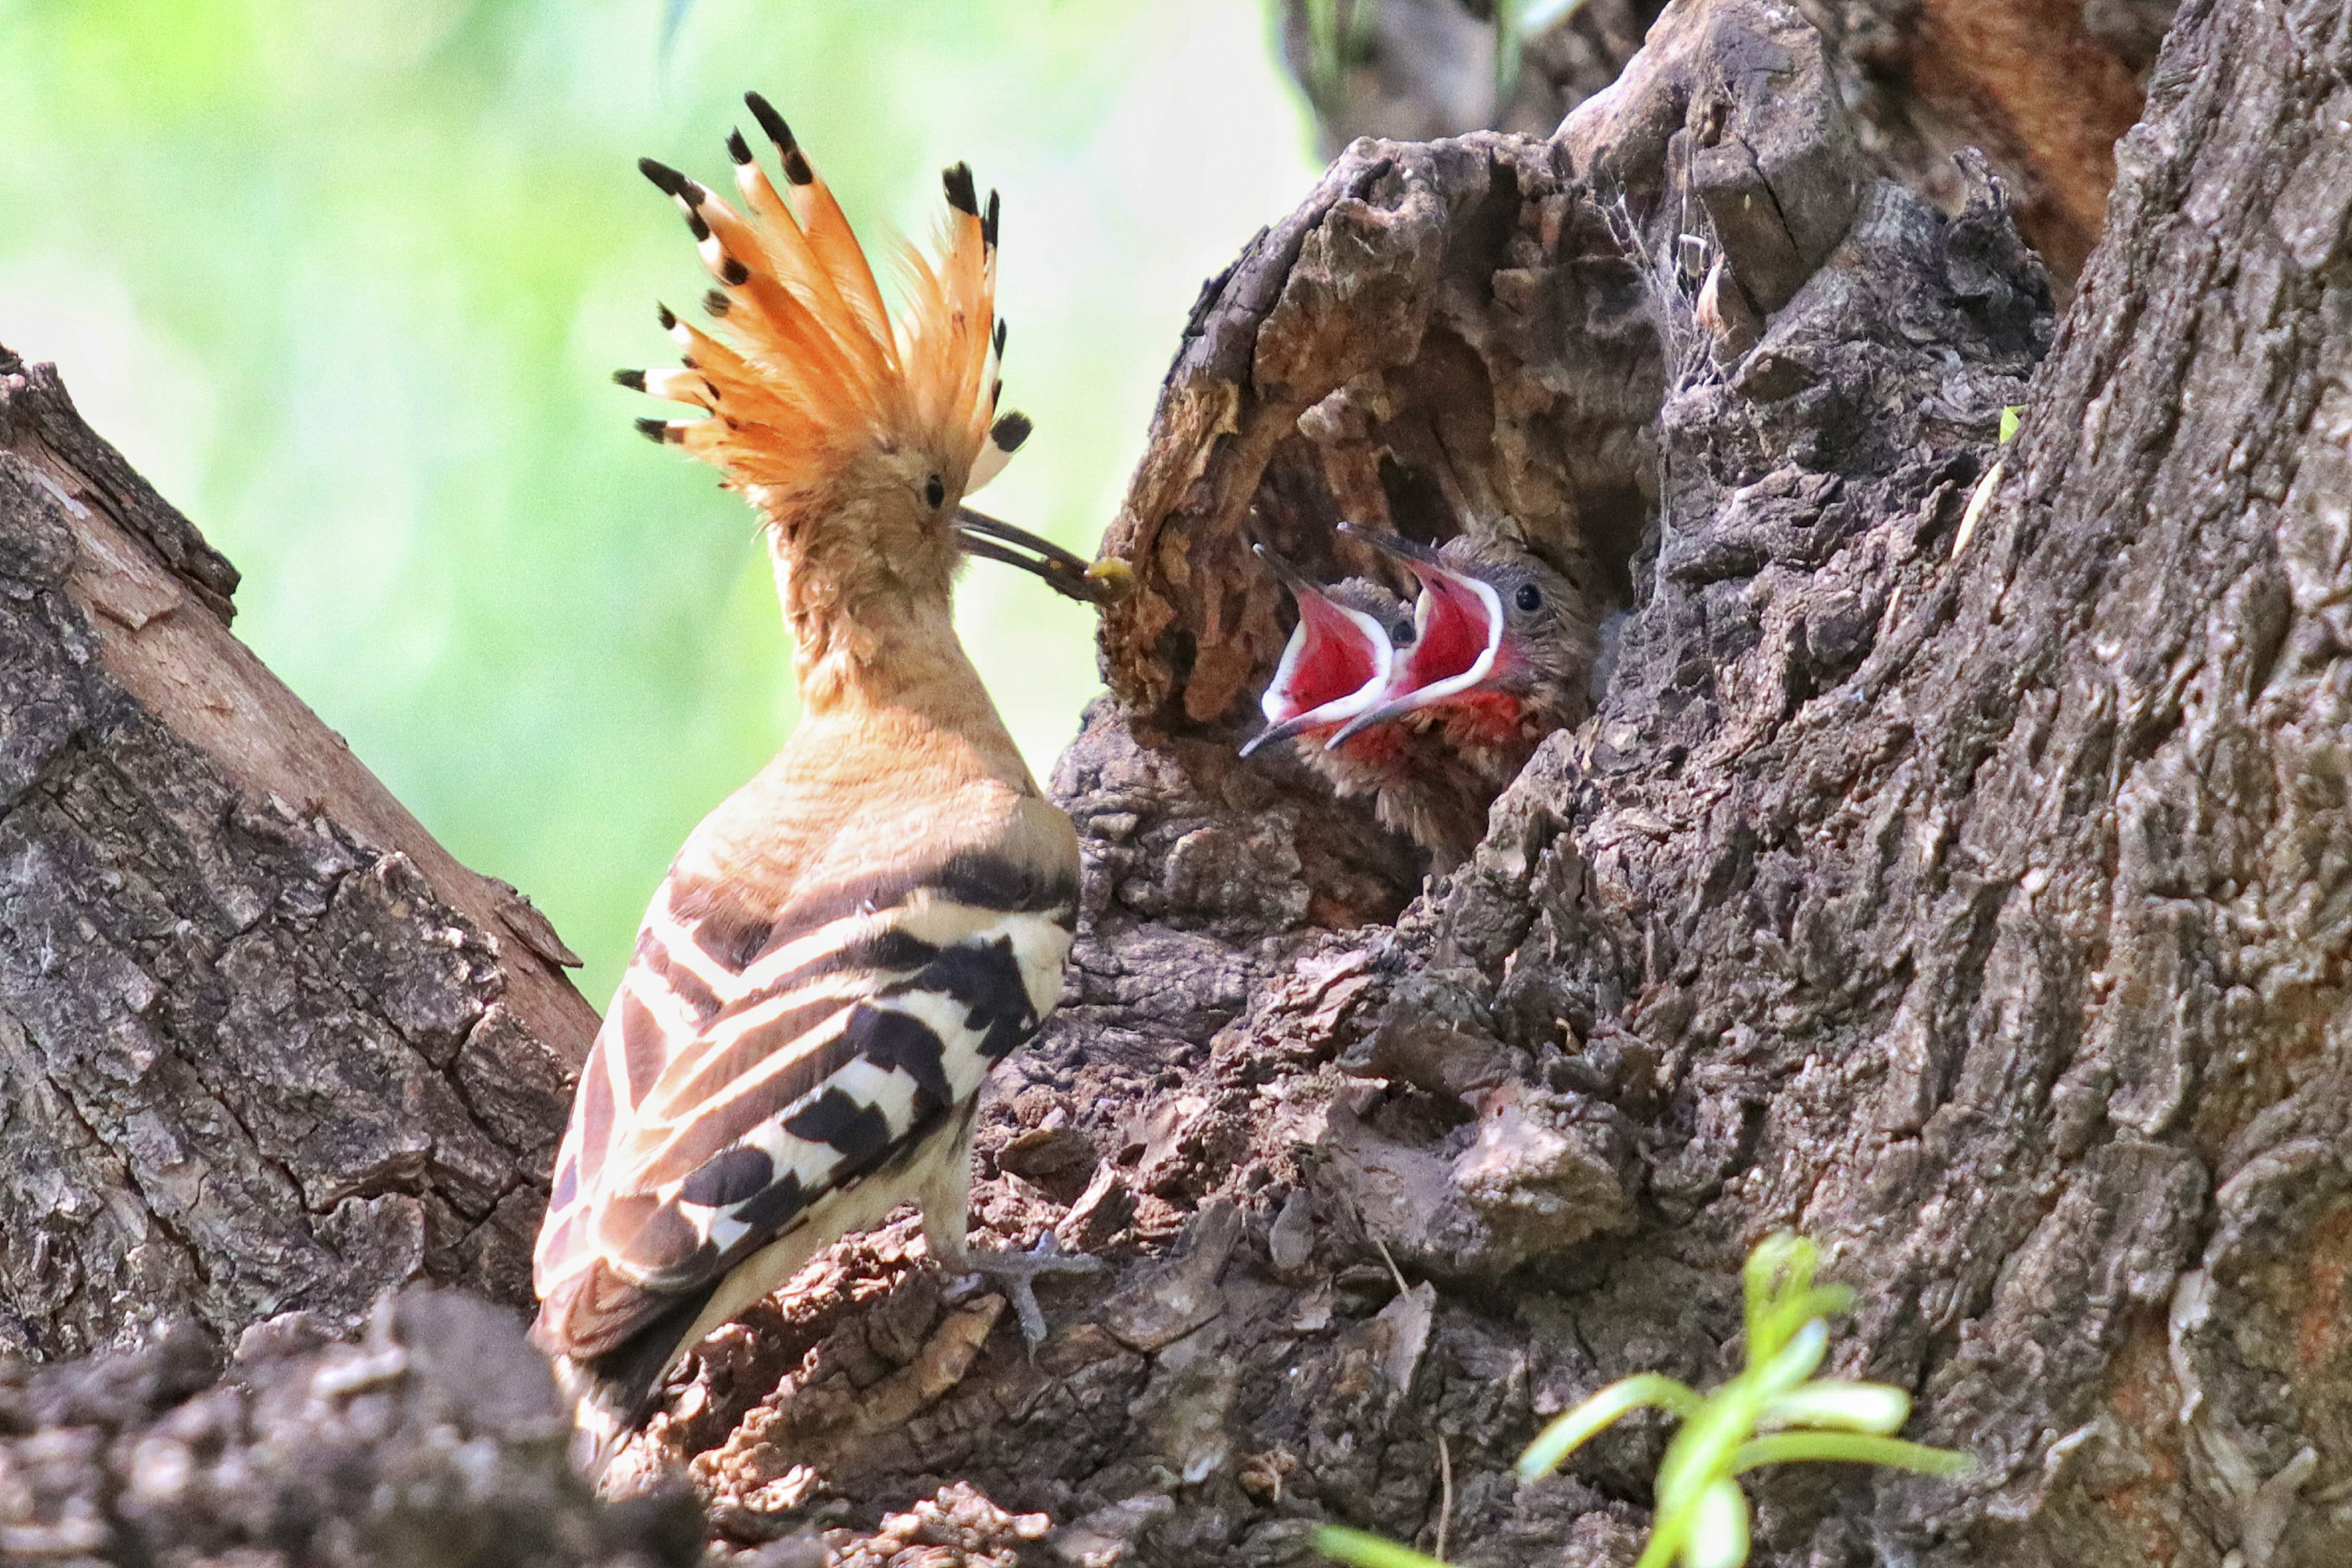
(771, 125)
(665, 180)
(962, 194)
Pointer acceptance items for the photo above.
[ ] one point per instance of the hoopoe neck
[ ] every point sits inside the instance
(899, 653)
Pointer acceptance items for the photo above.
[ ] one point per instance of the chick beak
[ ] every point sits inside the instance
(1067, 572)
(1337, 663)
(1458, 635)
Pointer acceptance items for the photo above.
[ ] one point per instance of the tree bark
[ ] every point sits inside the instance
(1954, 871)
(264, 1044)
(2043, 90)
(436, 1439)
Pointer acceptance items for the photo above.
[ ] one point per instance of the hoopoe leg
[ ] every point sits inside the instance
(946, 1213)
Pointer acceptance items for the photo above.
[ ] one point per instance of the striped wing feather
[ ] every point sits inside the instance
(762, 1057)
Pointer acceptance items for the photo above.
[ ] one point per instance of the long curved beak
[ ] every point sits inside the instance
(1458, 634)
(1068, 573)
(1337, 663)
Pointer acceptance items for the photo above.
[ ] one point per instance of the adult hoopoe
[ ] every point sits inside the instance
(1497, 652)
(846, 945)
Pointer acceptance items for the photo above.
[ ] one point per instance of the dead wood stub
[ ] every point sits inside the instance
(437, 1438)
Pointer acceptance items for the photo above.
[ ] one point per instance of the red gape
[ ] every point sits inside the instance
(1456, 634)
(1457, 642)
(1338, 659)
(1337, 663)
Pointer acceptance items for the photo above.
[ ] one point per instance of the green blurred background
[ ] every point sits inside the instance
(346, 278)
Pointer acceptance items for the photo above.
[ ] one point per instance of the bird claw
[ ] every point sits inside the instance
(1017, 1274)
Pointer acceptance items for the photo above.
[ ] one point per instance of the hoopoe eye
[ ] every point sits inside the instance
(1529, 598)
(935, 490)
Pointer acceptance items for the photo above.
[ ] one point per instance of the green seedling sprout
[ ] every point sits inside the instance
(1981, 496)
(1774, 1413)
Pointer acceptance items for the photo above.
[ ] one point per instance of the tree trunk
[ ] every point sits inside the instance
(264, 1044)
(1954, 871)
(2042, 90)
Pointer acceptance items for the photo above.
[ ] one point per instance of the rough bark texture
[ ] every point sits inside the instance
(1955, 869)
(2042, 90)
(437, 1438)
(263, 1044)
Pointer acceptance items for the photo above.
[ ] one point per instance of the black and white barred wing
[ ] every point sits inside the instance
(723, 1107)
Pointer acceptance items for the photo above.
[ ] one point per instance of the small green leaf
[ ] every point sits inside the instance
(1368, 1551)
(2009, 420)
(1796, 1360)
(1781, 1254)
(1848, 1448)
(1719, 1533)
(1839, 1406)
(1573, 1428)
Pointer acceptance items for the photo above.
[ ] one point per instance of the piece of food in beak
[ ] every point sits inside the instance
(1068, 573)
(1457, 642)
(1337, 663)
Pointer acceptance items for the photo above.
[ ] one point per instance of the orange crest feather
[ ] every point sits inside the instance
(806, 364)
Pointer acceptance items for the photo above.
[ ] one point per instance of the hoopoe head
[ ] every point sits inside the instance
(855, 435)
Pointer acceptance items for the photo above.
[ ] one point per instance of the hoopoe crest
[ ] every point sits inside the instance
(845, 946)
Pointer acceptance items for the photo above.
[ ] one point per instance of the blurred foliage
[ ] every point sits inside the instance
(347, 280)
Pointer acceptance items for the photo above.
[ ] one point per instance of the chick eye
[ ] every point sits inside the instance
(934, 492)
(1529, 597)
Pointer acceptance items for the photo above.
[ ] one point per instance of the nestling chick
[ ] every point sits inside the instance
(1336, 662)
(1496, 653)
(1502, 656)
(846, 945)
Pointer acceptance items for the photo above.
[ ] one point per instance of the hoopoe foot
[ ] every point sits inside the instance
(1017, 1272)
